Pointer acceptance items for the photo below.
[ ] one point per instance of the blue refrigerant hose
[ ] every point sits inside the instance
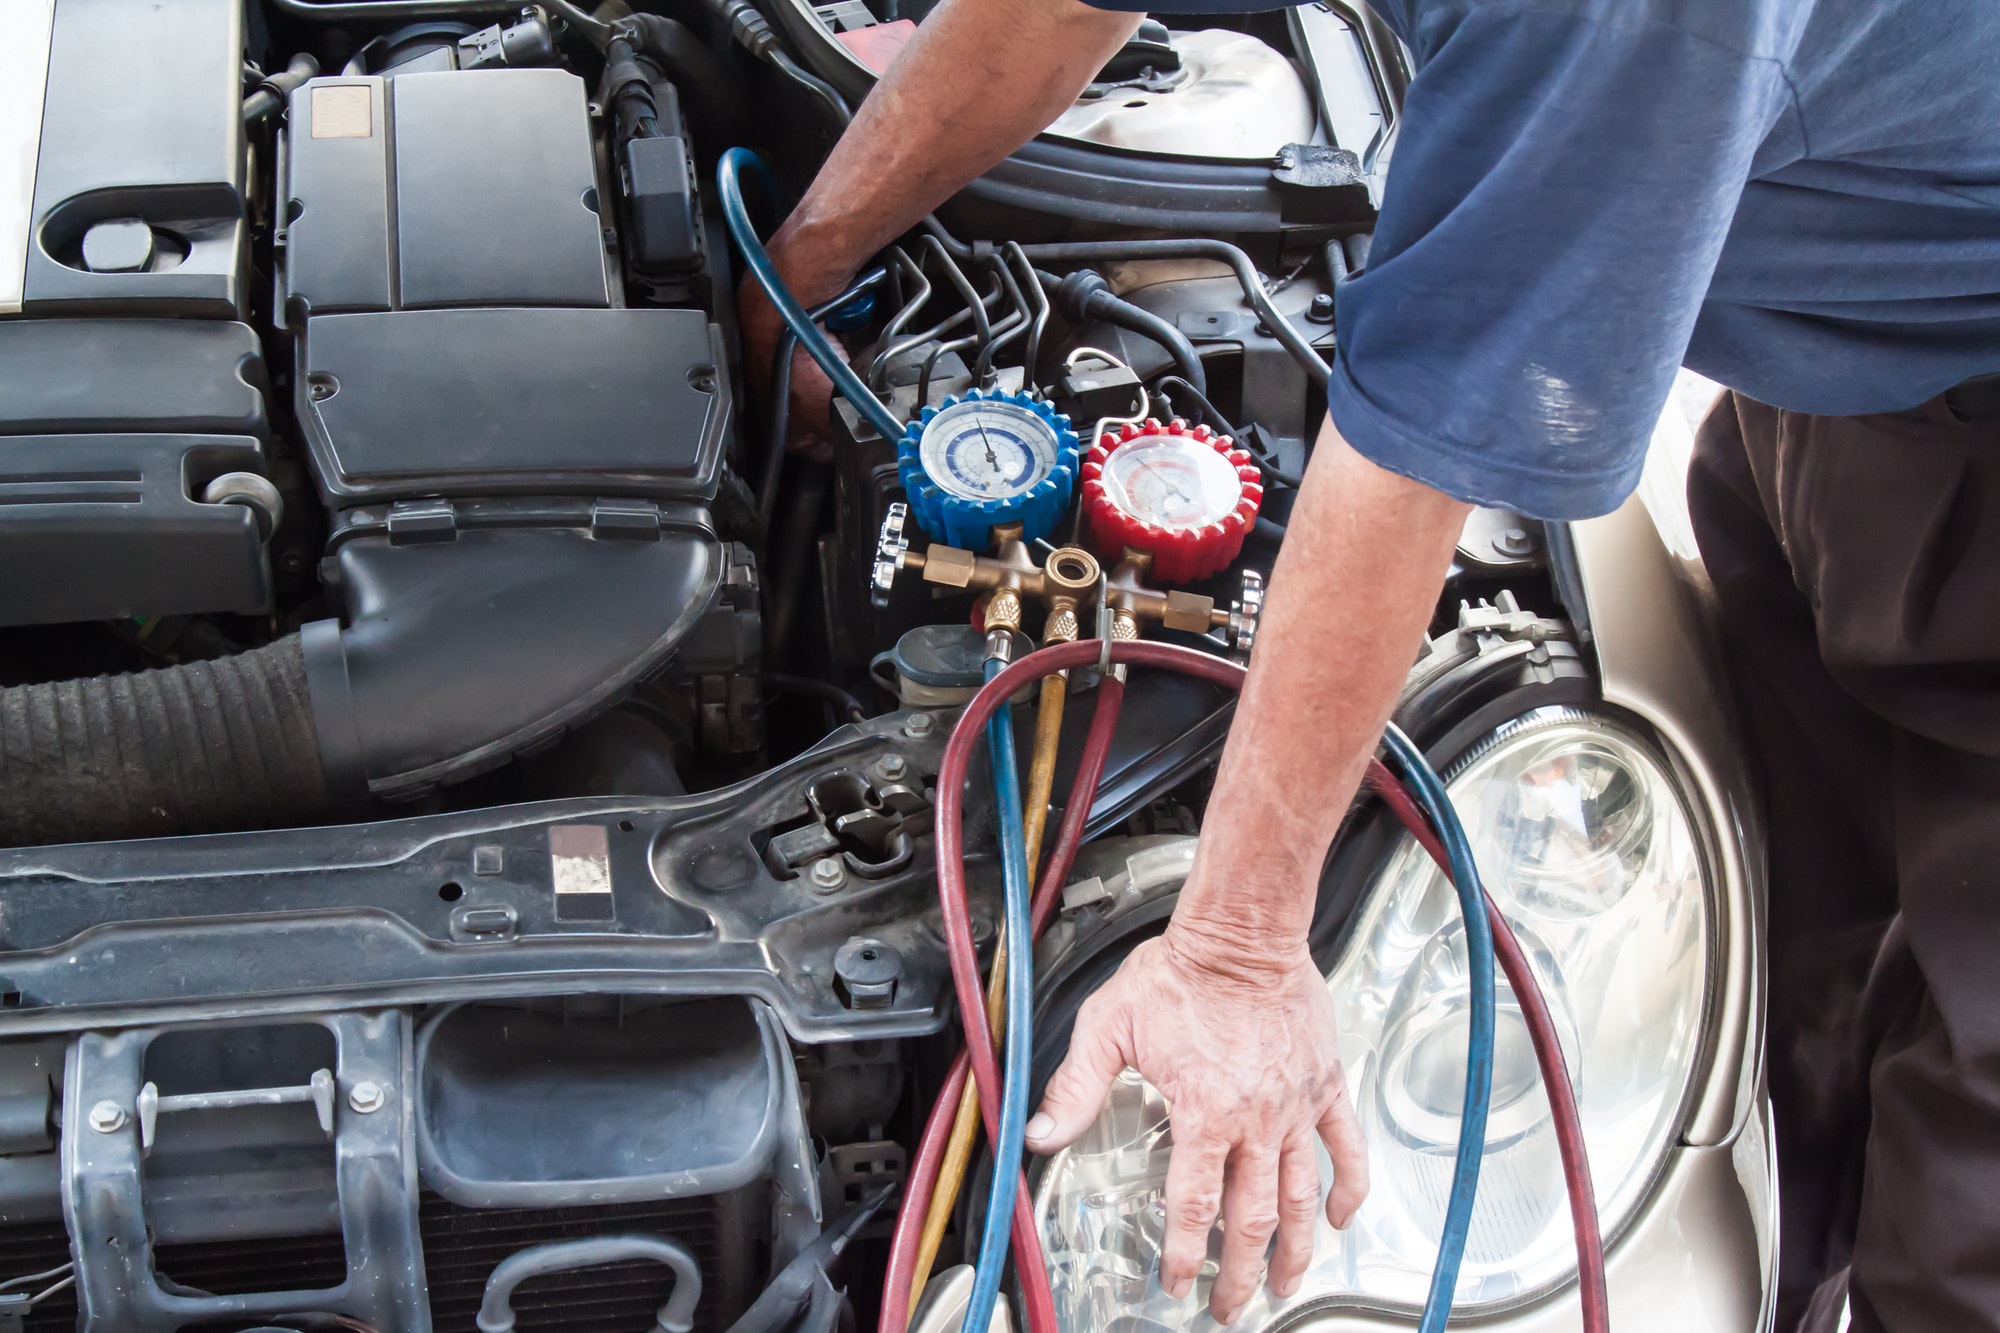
(1428, 789)
(736, 164)
(1009, 1143)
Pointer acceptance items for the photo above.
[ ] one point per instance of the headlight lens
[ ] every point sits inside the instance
(1583, 840)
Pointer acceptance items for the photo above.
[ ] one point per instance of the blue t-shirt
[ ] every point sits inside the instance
(1797, 198)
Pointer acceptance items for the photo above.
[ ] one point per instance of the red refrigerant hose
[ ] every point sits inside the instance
(972, 1012)
(900, 1278)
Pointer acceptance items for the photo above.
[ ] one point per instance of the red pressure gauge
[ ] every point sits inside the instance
(1185, 494)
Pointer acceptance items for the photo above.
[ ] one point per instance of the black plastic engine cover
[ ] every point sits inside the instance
(142, 121)
(515, 400)
(445, 265)
(109, 430)
(453, 188)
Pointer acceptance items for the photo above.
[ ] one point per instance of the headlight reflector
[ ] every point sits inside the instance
(1584, 840)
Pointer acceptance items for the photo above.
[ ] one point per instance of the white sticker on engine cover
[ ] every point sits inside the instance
(343, 111)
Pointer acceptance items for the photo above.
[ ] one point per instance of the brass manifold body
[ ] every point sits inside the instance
(1069, 582)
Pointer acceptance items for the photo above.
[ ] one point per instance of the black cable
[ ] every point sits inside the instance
(1084, 296)
(596, 30)
(775, 443)
(825, 691)
(825, 94)
(272, 90)
(1271, 471)
(1099, 252)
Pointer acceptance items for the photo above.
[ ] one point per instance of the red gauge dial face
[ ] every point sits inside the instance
(1172, 482)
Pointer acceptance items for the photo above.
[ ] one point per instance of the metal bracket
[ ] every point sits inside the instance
(117, 1288)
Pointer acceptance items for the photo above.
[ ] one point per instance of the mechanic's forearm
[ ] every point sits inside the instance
(979, 79)
(1364, 557)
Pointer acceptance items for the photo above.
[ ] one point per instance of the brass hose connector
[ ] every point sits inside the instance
(1065, 583)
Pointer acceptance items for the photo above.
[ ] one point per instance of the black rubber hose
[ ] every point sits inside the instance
(1084, 296)
(846, 705)
(496, 1314)
(195, 748)
(1271, 471)
(272, 92)
(1103, 252)
(775, 444)
(755, 34)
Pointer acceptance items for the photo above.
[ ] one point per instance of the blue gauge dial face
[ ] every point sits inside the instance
(982, 450)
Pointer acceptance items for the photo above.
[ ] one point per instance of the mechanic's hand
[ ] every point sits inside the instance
(1246, 1057)
(810, 426)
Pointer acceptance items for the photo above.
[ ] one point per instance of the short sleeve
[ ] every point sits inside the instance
(1561, 188)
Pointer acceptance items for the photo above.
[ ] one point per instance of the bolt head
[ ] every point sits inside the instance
(367, 1096)
(893, 767)
(919, 725)
(1321, 310)
(107, 1117)
(1515, 541)
(828, 873)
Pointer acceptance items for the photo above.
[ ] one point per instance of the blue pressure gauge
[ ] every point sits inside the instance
(987, 458)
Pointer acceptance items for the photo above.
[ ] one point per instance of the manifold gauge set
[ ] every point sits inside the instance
(1179, 494)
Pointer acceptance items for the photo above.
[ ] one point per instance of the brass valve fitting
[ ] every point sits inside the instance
(1010, 577)
(1131, 601)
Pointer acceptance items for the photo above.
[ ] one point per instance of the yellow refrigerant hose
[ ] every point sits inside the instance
(965, 1126)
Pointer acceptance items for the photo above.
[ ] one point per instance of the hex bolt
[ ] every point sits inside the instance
(919, 725)
(1321, 310)
(367, 1096)
(107, 1117)
(828, 874)
(893, 767)
(1515, 542)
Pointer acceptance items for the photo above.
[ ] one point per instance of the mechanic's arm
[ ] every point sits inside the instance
(1564, 180)
(1226, 1012)
(979, 79)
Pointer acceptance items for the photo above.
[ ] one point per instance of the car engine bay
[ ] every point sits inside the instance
(464, 786)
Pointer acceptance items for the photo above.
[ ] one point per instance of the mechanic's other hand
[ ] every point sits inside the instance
(1247, 1059)
(810, 426)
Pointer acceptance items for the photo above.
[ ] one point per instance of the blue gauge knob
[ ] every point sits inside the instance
(984, 459)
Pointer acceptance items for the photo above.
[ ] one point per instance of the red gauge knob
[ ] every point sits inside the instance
(1185, 494)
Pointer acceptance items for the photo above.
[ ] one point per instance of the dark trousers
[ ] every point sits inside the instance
(1857, 565)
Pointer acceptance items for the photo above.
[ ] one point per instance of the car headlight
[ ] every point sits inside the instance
(1584, 840)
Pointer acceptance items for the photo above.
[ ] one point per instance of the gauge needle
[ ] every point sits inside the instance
(992, 460)
(1173, 486)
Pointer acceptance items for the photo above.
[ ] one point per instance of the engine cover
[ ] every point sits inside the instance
(445, 265)
(127, 381)
(517, 465)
